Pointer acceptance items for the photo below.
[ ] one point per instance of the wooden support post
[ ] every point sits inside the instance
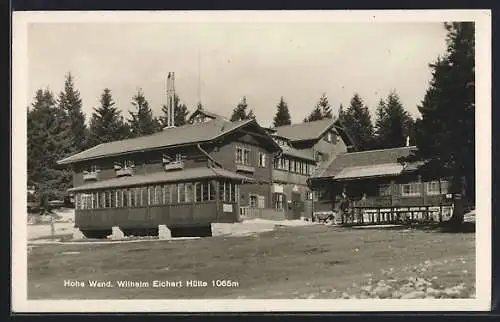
(440, 203)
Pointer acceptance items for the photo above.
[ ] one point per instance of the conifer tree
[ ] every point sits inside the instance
(71, 103)
(326, 109)
(48, 141)
(142, 121)
(393, 124)
(357, 121)
(180, 113)
(107, 124)
(321, 110)
(282, 116)
(446, 131)
(240, 111)
(341, 115)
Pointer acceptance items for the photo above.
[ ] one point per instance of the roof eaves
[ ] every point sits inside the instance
(65, 160)
(134, 151)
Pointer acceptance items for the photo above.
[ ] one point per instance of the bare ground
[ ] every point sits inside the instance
(313, 261)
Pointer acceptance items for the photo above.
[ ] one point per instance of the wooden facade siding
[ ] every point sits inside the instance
(289, 177)
(172, 215)
(389, 201)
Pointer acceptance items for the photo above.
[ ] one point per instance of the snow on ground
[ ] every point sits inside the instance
(44, 230)
(252, 226)
(65, 215)
(104, 241)
(39, 226)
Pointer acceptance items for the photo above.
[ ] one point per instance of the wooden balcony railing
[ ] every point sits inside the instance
(89, 175)
(398, 201)
(380, 201)
(245, 168)
(174, 165)
(124, 172)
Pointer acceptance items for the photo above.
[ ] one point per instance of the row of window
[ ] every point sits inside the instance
(243, 157)
(157, 195)
(414, 189)
(431, 188)
(411, 189)
(295, 166)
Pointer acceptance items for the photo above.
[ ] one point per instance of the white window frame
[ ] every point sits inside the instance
(239, 155)
(192, 195)
(246, 156)
(262, 160)
(412, 193)
(431, 192)
(243, 155)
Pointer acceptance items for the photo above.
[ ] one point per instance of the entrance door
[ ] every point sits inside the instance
(279, 201)
(297, 205)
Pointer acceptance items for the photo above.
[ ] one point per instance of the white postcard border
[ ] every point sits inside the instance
(20, 101)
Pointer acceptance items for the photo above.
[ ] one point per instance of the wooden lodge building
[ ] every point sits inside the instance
(185, 179)
(306, 147)
(187, 176)
(378, 187)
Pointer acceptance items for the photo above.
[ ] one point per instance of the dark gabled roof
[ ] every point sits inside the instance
(168, 137)
(377, 160)
(299, 154)
(206, 113)
(304, 131)
(163, 177)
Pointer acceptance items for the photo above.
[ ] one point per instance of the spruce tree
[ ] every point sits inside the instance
(180, 113)
(107, 124)
(71, 103)
(315, 115)
(393, 124)
(49, 140)
(341, 116)
(141, 121)
(282, 116)
(321, 110)
(357, 121)
(240, 111)
(445, 133)
(326, 109)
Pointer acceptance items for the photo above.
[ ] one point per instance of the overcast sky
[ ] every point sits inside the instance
(261, 61)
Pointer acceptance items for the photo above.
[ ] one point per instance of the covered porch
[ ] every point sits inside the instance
(190, 198)
(383, 194)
